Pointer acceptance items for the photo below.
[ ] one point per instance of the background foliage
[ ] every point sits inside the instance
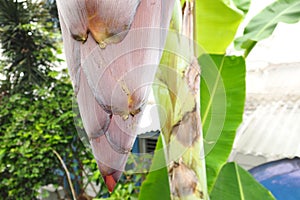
(36, 114)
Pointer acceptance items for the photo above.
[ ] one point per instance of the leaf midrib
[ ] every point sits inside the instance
(239, 182)
(213, 91)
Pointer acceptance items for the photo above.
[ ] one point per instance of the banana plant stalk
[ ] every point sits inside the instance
(182, 130)
(113, 48)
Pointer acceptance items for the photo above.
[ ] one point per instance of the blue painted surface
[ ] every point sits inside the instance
(281, 177)
(135, 147)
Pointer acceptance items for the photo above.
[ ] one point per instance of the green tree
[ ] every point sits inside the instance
(28, 46)
(36, 118)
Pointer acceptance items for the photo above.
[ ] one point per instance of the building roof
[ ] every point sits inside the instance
(271, 126)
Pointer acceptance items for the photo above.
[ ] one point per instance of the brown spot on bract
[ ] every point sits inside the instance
(192, 76)
(96, 25)
(187, 131)
(80, 38)
(135, 112)
(106, 26)
(97, 139)
(183, 180)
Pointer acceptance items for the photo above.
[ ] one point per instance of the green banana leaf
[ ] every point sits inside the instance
(243, 5)
(216, 24)
(263, 24)
(236, 183)
(222, 96)
(156, 186)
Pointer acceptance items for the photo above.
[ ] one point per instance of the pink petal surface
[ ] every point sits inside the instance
(112, 50)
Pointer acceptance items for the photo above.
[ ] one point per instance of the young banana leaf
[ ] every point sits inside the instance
(112, 49)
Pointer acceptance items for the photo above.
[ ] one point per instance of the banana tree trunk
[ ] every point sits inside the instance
(113, 48)
(182, 130)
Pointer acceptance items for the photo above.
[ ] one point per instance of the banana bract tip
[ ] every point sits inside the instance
(110, 182)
